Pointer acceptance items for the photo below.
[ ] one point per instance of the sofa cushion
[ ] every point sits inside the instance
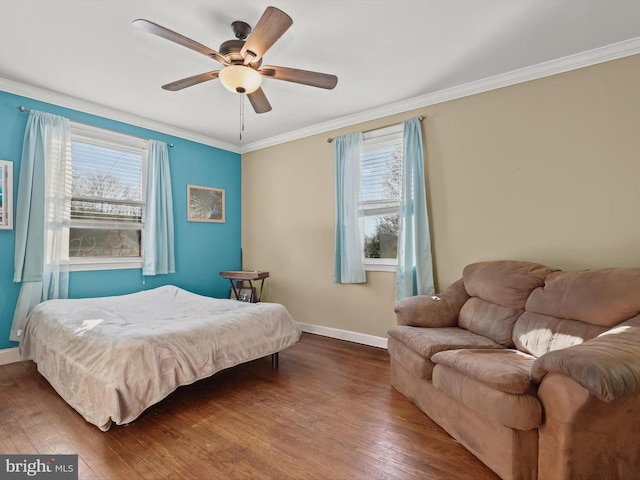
(601, 297)
(418, 365)
(503, 370)
(538, 334)
(508, 282)
(522, 412)
(427, 341)
(606, 366)
(489, 320)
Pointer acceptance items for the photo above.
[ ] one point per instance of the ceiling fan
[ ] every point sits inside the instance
(241, 58)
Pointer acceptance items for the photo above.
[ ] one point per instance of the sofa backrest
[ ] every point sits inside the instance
(498, 291)
(573, 307)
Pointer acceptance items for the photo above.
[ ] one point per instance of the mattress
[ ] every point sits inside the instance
(110, 358)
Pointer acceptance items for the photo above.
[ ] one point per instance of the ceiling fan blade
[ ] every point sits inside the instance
(160, 31)
(259, 101)
(306, 77)
(272, 24)
(190, 81)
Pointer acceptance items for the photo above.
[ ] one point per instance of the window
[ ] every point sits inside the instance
(107, 203)
(379, 206)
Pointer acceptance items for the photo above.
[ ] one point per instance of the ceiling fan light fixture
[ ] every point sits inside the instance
(240, 79)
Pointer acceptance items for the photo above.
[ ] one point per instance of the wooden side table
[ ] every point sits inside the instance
(238, 279)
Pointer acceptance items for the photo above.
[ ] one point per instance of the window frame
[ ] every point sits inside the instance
(108, 138)
(379, 264)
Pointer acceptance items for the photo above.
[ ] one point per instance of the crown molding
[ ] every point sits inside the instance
(84, 106)
(545, 69)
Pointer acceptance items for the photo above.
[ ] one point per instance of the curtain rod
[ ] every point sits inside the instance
(421, 118)
(22, 108)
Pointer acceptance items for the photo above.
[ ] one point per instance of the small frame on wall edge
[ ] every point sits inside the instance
(6, 195)
(205, 204)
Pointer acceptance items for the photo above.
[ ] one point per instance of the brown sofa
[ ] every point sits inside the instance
(535, 371)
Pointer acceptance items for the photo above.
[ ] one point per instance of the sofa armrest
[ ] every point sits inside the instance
(439, 310)
(608, 366)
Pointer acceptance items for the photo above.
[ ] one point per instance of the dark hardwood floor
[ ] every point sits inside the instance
(328, 412)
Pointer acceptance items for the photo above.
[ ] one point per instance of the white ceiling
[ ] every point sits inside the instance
(384, 52)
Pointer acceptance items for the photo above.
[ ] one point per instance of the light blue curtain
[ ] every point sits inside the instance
(158, 256)
(43, 214)
(415, 266)
(349, 256)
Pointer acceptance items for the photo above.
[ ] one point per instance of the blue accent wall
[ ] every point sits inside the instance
(202, 250)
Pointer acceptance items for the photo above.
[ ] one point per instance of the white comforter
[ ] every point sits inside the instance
(110, 358)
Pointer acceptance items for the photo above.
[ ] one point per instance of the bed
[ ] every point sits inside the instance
(111, 358)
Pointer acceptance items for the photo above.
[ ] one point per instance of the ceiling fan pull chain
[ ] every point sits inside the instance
(241, 115)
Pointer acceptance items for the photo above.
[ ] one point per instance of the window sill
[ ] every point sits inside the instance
(380, 267)
(91, 264)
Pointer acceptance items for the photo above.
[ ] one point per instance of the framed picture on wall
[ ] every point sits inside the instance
(205, 204)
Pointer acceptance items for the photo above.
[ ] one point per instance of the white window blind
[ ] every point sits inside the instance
(107, 184)
(107, 204)
(380, 180)
(380, 167)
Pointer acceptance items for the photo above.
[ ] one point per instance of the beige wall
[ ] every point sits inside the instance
(548, 171)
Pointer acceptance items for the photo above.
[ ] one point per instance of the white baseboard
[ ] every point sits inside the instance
(9, 355)
(347, 335)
